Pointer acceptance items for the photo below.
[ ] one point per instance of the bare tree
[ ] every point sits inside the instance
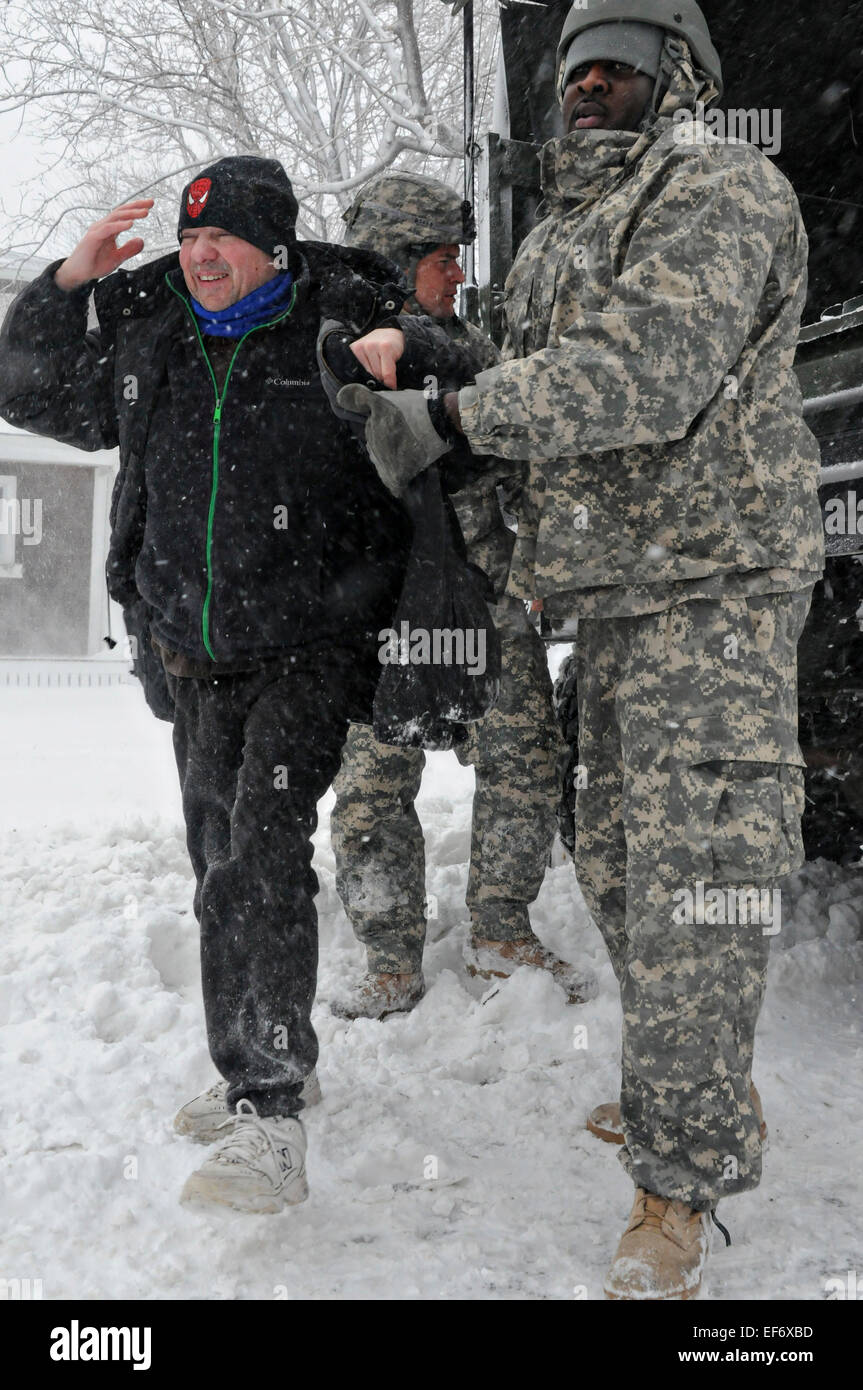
(134, 97)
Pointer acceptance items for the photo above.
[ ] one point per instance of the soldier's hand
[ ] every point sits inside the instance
(97, 253)
(379, 351)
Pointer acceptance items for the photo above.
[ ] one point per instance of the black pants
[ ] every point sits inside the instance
(255, 752)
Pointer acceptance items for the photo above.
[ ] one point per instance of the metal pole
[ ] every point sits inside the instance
(469, 151)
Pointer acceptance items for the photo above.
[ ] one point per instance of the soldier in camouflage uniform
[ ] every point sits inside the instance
(418, 223)
(671, 505)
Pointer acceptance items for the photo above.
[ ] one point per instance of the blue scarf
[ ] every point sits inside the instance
(263, 304)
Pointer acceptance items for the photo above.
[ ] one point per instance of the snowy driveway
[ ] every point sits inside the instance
(449, 1158)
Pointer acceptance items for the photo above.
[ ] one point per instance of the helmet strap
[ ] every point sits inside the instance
(673, 50)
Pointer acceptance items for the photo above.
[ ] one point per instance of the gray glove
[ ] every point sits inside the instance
(400, 437)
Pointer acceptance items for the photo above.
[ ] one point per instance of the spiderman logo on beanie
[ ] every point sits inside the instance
(199, 192)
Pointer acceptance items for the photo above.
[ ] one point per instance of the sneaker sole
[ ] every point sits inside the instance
(202, 1189)
(202, 1131)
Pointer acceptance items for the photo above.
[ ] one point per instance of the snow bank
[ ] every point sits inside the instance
(449, 1157)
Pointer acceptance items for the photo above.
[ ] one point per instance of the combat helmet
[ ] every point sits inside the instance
(678, 17)
(398, 213)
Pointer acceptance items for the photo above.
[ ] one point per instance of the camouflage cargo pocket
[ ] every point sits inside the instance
(740, 820)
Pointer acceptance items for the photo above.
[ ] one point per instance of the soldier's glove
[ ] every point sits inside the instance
(400, 434)
(339, 367)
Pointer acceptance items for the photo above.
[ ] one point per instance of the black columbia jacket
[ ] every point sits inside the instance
(244, 522)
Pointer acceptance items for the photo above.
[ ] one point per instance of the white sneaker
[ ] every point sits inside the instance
(206, 1118)
(260, 1166)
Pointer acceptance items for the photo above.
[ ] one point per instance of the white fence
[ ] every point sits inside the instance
(62, 673)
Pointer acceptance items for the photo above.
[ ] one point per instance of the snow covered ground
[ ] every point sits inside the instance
(102, 1038)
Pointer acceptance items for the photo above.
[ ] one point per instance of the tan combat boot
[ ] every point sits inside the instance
(604, 1121)
(491, 959)
(662, 1252)
(378, 996)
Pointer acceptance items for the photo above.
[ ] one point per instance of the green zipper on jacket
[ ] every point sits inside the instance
(217, 429)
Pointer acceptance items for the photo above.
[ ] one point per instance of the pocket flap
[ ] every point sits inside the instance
(738, 736)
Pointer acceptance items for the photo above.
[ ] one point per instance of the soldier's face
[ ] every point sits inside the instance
(438, 277)
(220, 268)
(605, 96)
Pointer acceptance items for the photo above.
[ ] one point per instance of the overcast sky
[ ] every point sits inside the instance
(23, 154)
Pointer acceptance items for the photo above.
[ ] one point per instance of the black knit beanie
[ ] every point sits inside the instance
(250, 197)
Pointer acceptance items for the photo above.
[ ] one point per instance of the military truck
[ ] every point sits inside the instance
(803, 66)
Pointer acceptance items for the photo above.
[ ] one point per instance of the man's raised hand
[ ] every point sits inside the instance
(97, 253)
(379, 351)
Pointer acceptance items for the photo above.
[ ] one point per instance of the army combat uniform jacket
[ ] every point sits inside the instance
(652, 320)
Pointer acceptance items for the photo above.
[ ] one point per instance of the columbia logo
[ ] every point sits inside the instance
(287, 381)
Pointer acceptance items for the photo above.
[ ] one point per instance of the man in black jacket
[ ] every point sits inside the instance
(254, 547)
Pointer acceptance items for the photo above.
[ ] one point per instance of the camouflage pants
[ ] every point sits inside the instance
(378, 841)
(693, 775)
